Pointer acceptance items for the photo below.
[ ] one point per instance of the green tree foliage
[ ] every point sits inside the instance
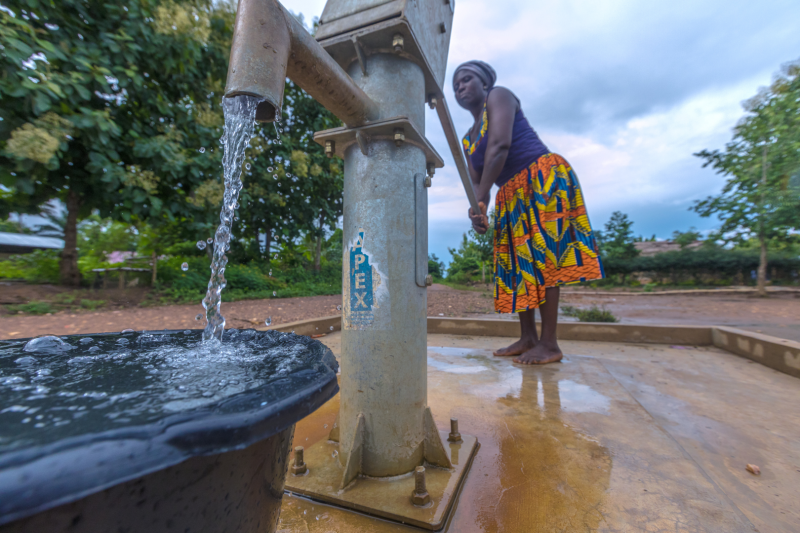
(617, 241)
(685, 238)
(107, 106)
(435, 267)
(761, 198)
(473, 260)
(291, 189)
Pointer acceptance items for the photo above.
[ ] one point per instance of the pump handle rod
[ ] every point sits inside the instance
(455, 147)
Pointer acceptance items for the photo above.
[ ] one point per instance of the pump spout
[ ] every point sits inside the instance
(269, 44)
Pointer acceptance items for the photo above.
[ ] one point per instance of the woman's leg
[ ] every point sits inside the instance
(527, 340)
(546, 350)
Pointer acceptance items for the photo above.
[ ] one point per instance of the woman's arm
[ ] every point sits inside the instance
(502, 107)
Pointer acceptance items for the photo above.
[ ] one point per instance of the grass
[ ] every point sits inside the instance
(31, 308)
(91, 305)
(593, 314)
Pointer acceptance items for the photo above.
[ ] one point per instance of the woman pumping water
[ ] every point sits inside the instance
(542, 235)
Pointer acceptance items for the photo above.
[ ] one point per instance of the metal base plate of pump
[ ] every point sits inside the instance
(388, 498)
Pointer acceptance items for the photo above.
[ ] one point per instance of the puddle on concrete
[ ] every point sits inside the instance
(580, 398)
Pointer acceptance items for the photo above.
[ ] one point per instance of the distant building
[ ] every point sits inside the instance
(19, 243)
(649, 248)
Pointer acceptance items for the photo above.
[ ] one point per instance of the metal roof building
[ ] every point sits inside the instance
(19, 243)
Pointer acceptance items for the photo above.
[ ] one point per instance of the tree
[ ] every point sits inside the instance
(290, 187)
(435, 267)
(685, 238)
(761, 198)
(617, 241)
(110, 106)
(473, 256)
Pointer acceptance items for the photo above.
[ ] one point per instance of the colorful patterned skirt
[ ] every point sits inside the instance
(542, 235)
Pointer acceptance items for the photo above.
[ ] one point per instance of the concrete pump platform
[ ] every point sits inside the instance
(617, 437)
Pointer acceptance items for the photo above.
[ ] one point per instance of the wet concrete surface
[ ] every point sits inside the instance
(617, 437)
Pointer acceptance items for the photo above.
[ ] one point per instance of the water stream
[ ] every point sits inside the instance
(240, 113)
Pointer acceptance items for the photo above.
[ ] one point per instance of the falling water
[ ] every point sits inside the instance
(240, 113)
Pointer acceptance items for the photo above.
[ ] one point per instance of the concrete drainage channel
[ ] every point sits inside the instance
(779, 354)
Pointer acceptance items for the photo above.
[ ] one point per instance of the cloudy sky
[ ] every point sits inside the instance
(626, 90)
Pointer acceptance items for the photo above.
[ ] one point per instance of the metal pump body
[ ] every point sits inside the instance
(374, 64)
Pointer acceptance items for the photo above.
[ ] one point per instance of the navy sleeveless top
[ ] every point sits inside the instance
(526, 147)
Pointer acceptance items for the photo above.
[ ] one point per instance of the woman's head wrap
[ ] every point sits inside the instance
(483, 70)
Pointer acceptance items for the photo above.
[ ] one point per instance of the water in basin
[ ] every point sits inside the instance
(62, 387)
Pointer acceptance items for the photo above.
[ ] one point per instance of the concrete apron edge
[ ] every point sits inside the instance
(779, 354)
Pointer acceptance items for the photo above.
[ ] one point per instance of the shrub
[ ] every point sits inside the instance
(593, 314)
(40, 266)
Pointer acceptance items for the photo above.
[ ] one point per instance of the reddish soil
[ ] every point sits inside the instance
(122, 311)
(778, 315)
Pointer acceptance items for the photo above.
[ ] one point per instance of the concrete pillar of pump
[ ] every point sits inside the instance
(384, 373)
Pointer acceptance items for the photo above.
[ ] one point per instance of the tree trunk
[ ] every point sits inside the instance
(68, 266)
(762, 265)
(762, 269)
(154, 271)
(318, 253)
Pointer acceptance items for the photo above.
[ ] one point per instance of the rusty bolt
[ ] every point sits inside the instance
(330, 148)
(420, 495)
(299, 467)
(398, 43)
(432, 101)
(454, 436)
(428, 280)
(442, 27)
(431, 169)
(399, 136)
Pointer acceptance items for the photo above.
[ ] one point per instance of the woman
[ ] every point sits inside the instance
(542, 235)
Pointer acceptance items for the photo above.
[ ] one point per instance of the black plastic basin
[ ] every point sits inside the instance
(152, 431)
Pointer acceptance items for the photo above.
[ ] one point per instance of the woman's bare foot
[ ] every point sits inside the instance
(541, 354)
(518, 348)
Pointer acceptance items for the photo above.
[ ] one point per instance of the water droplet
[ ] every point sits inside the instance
(94, 349)
(274, 293)
(27, 360)
(199, 316)
(46, 343)
(331, 328)
(292, 332)
(247, 166)
(338, 307)
(126, 331)
(288, 175)
(275, 257)
(201, 245)
(185, 266)
(187, 332)
(122, 341)
(270, 273)
(86, 340)
(203, 150)
(209, 240)
(274, 176)
(268, 321)
(269, 169)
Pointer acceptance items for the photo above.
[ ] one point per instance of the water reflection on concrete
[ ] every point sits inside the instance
(534, 468)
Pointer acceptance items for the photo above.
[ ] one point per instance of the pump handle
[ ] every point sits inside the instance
(455, 147)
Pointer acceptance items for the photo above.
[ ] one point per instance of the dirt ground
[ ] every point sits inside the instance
(778, 315)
